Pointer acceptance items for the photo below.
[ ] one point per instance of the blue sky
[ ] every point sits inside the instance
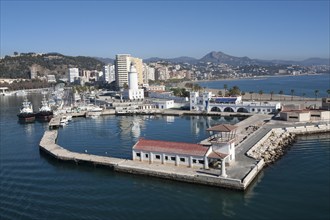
(292, 30)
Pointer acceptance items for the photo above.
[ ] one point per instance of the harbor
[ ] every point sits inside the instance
(239, 174)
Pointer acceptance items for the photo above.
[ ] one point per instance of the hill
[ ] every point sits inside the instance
(56, 64)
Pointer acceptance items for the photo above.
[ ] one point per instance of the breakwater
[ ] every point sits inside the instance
(180, 173)
(274, 144)
(240, 174)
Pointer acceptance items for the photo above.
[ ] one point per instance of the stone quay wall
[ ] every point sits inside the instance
(274, 144)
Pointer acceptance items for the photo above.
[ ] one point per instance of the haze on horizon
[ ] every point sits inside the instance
(287, 30)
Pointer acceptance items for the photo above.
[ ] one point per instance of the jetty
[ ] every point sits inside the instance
(251, 153)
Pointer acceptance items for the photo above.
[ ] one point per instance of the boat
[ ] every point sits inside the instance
(26, 114)
(4, 91)
(21, 93)
(94, 112)
(45, 112)
(65, 120)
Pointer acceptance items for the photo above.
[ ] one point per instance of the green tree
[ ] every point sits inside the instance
(316, 92)
(271, 95)
(225, 86)
(220, 93)
(251, 93)
(292, 93)
(328, 91)
(281, 93)
(260, 93)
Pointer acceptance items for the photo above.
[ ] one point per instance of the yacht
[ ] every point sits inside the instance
(26, 114)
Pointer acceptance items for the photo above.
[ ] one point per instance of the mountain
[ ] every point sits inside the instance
(220, 57)
(315, 61)
(105, 60)
(21, 65)
(183, 59)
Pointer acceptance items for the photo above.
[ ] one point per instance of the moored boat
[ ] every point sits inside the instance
(26, 114)
(45, 112)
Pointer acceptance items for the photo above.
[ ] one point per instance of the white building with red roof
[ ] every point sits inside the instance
(218, 148)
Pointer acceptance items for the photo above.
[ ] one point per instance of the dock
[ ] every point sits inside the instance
(177, 173)
(239, 175)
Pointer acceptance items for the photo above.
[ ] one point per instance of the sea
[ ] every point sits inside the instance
(36, 186)
(303, 85)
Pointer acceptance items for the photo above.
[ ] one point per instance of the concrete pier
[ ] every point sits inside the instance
(240, 174)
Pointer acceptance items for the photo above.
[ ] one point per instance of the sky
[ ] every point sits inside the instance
(290, 30)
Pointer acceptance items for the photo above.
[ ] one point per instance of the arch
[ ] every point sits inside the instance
(228, 109)
(215, 109)
(242, 110)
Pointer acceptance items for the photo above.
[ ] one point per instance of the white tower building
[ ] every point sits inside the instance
(133, 92)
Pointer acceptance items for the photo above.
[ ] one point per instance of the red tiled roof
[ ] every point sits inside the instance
(222, 128)
(217, 155)
(170, 147)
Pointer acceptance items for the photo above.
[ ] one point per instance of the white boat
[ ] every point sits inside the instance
(4, 91)
(94, 112)
(21, 93)
(64, 120)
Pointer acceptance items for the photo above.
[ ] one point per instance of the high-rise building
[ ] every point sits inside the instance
(122, 67)
(73, 73)
(109, 73)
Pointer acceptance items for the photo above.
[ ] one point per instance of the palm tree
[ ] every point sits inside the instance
(292, 92)
(251, 94)
(260, 93)
(225, 86)
(271, 95)
(281, 93)
(316, 93)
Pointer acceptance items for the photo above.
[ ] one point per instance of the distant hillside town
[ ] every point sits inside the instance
(80, 70)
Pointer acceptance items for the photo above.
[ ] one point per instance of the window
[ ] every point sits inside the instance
(147, 155)
(182, 159)
(201, 161)
(194, 161)
(173, 158)
(138, 154)
(157, 156)
(166, 157)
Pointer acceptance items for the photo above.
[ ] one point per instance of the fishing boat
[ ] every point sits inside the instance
(26, 114)
(45, 112)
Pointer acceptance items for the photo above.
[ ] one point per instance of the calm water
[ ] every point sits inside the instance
(300, 84)
(35, 186)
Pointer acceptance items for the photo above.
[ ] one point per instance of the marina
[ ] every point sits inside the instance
(238, 175)
(35, 184)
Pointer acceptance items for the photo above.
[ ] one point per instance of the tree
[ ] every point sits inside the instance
(316, 92)
(281, 93)
(251, 94)
(220, 93)
(225, 86)
(234, 91)
(271, 95)
(328, 91)
(292, 93)
(260, 93)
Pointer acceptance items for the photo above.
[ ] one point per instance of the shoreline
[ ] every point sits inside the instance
(254, 77)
